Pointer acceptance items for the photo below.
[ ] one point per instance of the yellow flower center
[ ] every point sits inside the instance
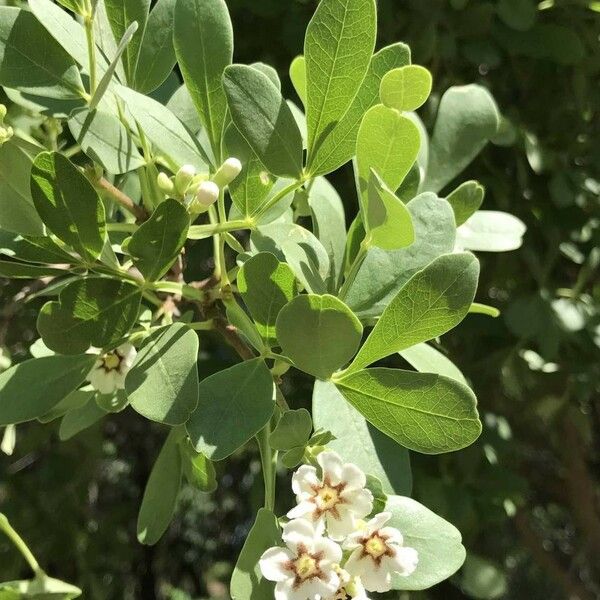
(306, 566)
(112, 361)
(328, 497)
(375, 546)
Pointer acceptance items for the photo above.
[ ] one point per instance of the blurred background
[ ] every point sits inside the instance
(526, 496)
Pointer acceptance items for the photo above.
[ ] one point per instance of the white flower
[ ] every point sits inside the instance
(108, 374)
(307, 568)
(378, 553)
(351, 588)
(338, 499)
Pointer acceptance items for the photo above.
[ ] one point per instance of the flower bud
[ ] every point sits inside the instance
(183, 178)
(165, 183)
(227, 172)
(208, 193)
(6, 133)
(2, 113)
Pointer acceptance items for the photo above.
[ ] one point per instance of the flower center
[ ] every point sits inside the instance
(375, 546)
(306, 566)
(328, 497)
(112, 361)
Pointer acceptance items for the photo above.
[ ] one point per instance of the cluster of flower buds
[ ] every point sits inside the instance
(198, 191)
(331, 551)
(6, 131)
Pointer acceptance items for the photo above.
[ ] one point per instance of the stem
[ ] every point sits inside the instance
(20, 544)
(279, 196)
(122, 227)
(201, 325)
(199, 232)
(179, 289)
(268, 459)
(122, 199)
(91, 47)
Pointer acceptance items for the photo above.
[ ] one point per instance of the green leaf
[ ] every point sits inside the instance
(76, 399)
(292, 430)
(426, 359)
(340, 145)
(424, 412)
(203, 41)
(90, 312)
(431, 303)
(359, 442)
(406, 88)
(299, 248)
(30, 389)
(269, 71)
(393, 159)
(388, 221)
(160, 495)
(105, 140)
(467, 118)
(266, 286)
(162, 384)
(33, 249)
(235, 404)
(491, 231)
(32, 61)
(517, 14)
(292, 458)
(438, 543)
(247, 582)
(68, 204)
(15, 270)
(250, 189)
(383, 272)
(329, 225)
(238, 317)
(298, 77)
(465, 200)
(66, 31)
(157, 54)
(338, 47)
(17, 212)
(163, 129)
(121, 15)
(264, 119)
(198, 470)
(320, 334)
(79, 419)
(42, 588)
(159, 240)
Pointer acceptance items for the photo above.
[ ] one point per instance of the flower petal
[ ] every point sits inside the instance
(303, 509)
(332, 552)
(360, 502)
(299, 532)
(377, 579)
(304, 480)
(273, 564)
(392, 535)
(331, 463)
(339, 528)
(377, 522)
(357, 563)
(405, 561)
(353, 476)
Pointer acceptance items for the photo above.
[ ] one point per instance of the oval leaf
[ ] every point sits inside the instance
(319, 334)
(162, 384)
(235, 404)
(406, 88)
(424, 412)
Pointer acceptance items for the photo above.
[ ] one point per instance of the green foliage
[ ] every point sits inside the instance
(406, 88)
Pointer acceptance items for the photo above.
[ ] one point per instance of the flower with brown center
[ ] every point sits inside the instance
(307, 568)
(109, 371)
(337, 499)
(378, 552)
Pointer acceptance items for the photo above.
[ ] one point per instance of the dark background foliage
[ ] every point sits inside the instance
(526, 495)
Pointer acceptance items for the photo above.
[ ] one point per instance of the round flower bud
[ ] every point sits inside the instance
(183, 178)
(207, 194)
(2, 113)
(5, 134)
(227, 172)
(165, 183)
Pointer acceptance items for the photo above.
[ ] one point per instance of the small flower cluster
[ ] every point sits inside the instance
(196, 190)
(332, 553)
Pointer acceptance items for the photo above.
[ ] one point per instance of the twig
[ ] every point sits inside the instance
(123, 199)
